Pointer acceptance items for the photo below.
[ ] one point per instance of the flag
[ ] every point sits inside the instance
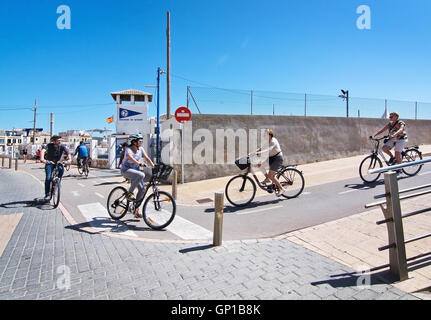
(110, 119)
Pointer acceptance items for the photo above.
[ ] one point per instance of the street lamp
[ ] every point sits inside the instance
(345, 95)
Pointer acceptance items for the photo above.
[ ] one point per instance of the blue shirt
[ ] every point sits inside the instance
(82, 151)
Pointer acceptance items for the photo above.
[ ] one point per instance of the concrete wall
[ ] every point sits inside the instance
(302, 139)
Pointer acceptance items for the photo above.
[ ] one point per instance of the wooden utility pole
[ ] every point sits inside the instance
(168, 71)
(34, 122)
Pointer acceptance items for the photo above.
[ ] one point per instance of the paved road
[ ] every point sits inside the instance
(266, 217)
(46, 258)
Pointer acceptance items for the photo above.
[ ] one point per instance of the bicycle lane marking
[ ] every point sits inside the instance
(187, 230)
(353, 190)
(259, 210)
(95, 214)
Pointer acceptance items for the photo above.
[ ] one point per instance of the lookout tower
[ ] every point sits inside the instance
(132, 117)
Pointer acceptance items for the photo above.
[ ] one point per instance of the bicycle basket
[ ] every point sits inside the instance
(161, 171)
(243, 163)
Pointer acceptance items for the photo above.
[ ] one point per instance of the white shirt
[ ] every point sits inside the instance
(274, 147)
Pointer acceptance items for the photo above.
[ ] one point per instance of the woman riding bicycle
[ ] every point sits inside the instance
(397, 137)
(130, 169)
(275, 161)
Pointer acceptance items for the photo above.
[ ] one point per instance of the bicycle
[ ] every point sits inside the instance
(55, 184)
(159, 208)
(83, 168)
(66, 165)
(373, 161)
(241, 189)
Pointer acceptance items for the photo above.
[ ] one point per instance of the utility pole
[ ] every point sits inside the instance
(34, 122)
(51, 127)
(168, 71)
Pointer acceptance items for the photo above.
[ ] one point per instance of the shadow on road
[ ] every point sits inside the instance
(255, 204)
(372, 185)
(36, 203)
(103, 224)
(198, 248)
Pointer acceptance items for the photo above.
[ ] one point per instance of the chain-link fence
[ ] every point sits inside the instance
(227, 101)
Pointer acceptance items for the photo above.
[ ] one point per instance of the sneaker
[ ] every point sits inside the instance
(280, 192)
(47, 198)
(137, 214)
(392, 161)
(130, 196)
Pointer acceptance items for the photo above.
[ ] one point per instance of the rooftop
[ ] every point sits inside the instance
(126, 95)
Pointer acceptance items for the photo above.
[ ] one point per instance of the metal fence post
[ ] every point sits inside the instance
(218, 218)
(10, 162)
(2, 161)
(397, 250)
(16, 164)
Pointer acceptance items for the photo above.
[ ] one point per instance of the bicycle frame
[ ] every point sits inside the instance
(267, 188)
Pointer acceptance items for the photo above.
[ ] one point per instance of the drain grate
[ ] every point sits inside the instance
(205, 200)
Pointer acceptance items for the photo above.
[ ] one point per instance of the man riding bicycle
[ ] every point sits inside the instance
(53, 152)
(397, 137)
(82, 152)
(133, 159)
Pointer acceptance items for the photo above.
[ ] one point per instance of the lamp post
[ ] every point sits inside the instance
(159, 72)
(345, 95)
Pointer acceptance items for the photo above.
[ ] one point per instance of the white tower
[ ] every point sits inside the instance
(132, 118)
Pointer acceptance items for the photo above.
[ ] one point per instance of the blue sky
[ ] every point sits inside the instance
(311, 46)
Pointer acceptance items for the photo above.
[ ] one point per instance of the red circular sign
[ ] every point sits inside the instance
(183, 114)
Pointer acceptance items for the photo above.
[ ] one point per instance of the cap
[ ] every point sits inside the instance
(55, 138)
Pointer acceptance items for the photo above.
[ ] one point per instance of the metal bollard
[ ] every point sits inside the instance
(2, 161)
(397, 253)
(10, 162)
(218, 218)
(174, 184)
(16, 164)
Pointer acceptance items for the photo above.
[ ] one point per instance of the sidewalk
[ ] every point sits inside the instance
(47, 259)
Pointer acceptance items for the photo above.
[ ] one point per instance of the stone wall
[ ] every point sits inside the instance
(302, 139)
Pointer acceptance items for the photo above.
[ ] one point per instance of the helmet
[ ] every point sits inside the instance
(136, 136)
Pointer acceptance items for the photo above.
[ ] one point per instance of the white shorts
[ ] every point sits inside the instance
(399, 144)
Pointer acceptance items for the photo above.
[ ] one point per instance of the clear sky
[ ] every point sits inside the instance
(311, 46)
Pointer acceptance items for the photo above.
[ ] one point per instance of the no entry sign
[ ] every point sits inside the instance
(183, 114)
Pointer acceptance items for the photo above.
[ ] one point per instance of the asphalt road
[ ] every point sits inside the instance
(267, 216)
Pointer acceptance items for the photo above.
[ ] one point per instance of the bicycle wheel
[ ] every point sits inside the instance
(369, 163)
(55, 193)
(86, 170)
(159, 210)
(117, 203)
(411, 155)
(240, 190)
(67, 166)
(80, 170)
(292, 180)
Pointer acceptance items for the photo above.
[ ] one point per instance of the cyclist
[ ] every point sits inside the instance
(53, 152)
(275, 161)
(397, 137)
(82, 152)
(133, 159)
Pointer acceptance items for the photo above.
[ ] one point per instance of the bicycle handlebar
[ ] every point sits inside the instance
(378, 139)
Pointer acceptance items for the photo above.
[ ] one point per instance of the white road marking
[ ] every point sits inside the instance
(99, 195)
(99, 219)
(80, 184)
(259, 210)
(75, 193)
(306, 193)
(425, 173)
(353, 190)
(188, 230)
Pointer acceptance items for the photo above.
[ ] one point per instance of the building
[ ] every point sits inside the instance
(73, 136)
